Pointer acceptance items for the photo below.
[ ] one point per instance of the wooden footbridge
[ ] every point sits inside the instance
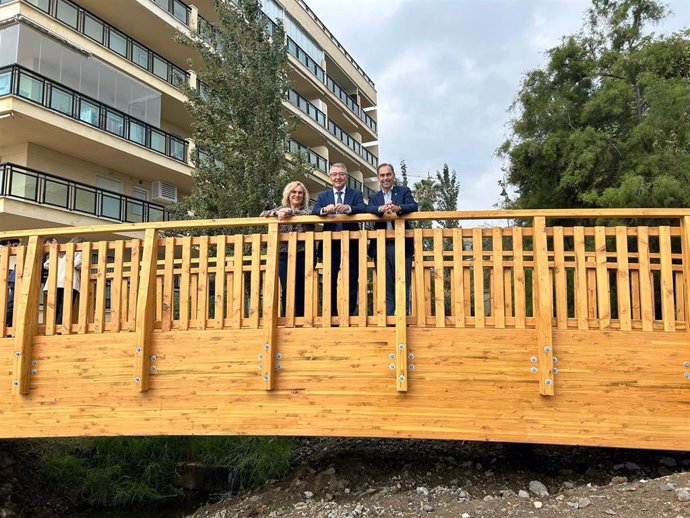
(535, 331)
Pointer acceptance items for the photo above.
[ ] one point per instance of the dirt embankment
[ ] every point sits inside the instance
(333, 478)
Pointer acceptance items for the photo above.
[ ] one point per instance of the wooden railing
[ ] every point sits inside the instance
(474, 280)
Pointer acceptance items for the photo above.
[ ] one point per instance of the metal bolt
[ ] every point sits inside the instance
(34, 362)
(153, 369)
(260, 366)
(555, 360)
(34, 371)
(401, 346)
(555, 370)
(266, 347)
(686, 365)
(279, 366)
(15, 383)
(548, 381)
(154, 357)
(410, 356)
(411, 366)
(138, 349)
(17, 354)
(392, 356)
(391, 366)
(687, 375)
(547, 349)
(401, 378)
(261, 357)
(137, 379)
(279, 356)
(533, 359)
(265, 377)
(533, 370)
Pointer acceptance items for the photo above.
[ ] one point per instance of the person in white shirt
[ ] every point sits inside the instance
(60, 273)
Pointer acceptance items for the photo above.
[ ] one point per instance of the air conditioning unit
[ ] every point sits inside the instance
(163, 192)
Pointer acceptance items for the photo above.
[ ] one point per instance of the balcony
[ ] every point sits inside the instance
(178, 9)
(93, 27)
(305, 59)
(23, 183)
(27, 85)
(306, 107)
(312, 157)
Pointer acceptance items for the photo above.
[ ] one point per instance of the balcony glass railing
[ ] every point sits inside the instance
(353, 183)
(91, 26)
(368, 191)
(178, 9)
(343, 136)
(305, 106)
(343, 96)
(305, 59)
(369, 156)
(18, 81)
(27, 184)
(312, 157)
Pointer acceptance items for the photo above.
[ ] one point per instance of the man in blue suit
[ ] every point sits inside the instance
(336, 201)
(393, 199)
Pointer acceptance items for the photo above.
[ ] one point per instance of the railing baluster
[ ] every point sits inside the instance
(439, 291)
(326, 309)
(363, 278)
(99, 311)
(310, 280)
(602, 272)
(50, 291)
(237, 281)
(519, 279)
(458, 279)
(168, 288)
(85, 295)
(580, 284)
(202, 302)
(560, 278)
(67, 290)
(116, 285)
(667, 308)
(380, 303)
(4, 288)
(419, 276)
(497, 284)
(255, 282)
(623, 279)
(478, 271)
(646, 301)
(185, 281)
(685, 248)
(134, 265)
(219, 283)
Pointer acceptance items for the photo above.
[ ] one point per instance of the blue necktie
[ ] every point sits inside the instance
(339, 226)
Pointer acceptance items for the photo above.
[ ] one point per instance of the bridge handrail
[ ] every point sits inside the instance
(523, 214)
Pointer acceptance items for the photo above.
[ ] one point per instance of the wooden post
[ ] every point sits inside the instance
(400, 307)
(268, 349)
(544, 309)
(145, 310)
(26, 316)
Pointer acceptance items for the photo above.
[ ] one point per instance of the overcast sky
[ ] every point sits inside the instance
(446, 72)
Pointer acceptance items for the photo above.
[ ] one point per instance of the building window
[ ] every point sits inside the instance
(88, 112)
(61, 100)
(117, 42)
(67, 13)
(31, 88)
(5, 82)
(43, 5)
(140, 56)
(180, 11)
(93, 28)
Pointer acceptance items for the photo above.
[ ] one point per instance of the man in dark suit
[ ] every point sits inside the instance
(393, 199)
(336, 201)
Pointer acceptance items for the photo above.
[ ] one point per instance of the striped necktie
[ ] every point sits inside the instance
(339, 200)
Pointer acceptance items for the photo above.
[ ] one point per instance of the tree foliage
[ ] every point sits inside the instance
(606, 122)
(237, 118)
(448, 192)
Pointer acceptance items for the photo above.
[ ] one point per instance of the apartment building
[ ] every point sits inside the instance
(93, 126)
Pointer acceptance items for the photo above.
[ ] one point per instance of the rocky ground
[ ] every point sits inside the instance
(333, 478)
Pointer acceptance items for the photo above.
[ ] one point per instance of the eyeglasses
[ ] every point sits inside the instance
(338, 175)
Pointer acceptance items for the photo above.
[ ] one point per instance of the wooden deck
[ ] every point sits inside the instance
(526, 332)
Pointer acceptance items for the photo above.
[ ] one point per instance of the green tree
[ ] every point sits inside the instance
(237, 118)
(606, 123)
(448, 192)
(426, 192)
(403, 174)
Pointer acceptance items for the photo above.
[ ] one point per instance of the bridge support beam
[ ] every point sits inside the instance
(146, 298)
(544, 308)
(401, 369)
(270, 300)
(26, 317)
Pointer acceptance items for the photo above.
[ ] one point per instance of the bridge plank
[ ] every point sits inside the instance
(623, 279)
(544, 309)
(667, 307)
